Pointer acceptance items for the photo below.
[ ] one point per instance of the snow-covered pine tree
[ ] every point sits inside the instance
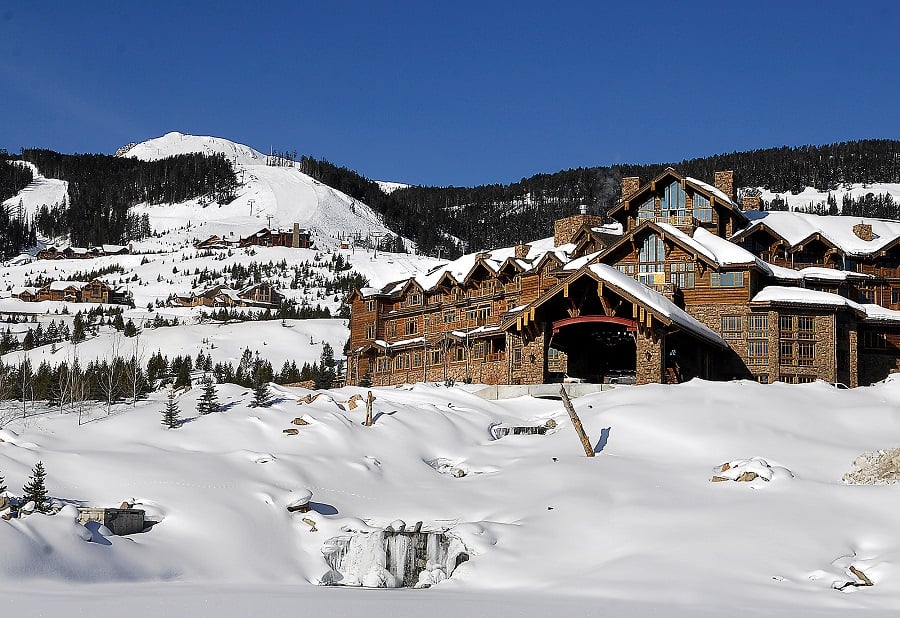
(171, 412)
(208, 401)
(35, 489)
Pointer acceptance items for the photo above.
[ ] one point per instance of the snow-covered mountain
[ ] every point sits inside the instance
(267, 196)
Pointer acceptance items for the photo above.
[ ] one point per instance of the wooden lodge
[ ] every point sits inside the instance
(96, 291)
(261, 294)
(81, 253)
(684, 283)
(296, 238)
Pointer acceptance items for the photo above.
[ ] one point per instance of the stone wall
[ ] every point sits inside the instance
(650, 355)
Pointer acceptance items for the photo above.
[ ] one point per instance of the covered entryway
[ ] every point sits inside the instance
(597, 347)
(604, 323)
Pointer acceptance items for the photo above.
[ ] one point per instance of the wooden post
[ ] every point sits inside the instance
(369, 401)
(576, 422)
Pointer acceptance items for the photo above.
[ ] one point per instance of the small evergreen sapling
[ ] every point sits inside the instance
(261, 397)
(171, 412)
(35, 490)
(208, 401)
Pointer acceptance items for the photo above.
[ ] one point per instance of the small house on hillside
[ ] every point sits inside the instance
(27, 294)
(69, 291)
(261, 295)
(96, 291)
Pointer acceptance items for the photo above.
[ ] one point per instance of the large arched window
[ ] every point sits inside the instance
(674, 200)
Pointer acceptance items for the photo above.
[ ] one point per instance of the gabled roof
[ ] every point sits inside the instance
(662, 309)
(796, 228)
(698, 185)
(715, 251)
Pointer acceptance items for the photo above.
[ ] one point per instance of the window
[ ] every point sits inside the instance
(673, 201)
(628, 269)
(758, 352)
(417, 359)
(895, 296)
(866, 295)
(434, 357)
(651, 261)
(402, 361)
(702, 209)
(758, 339)
(806, 327)
(370, 305)
(796, 344)
(415, 299)
(449, 316)
(460, 353)
(411, 327)
(759, 326)
(646, 210)
(478, 350)
(732, 327)
(727, 280)
(806, 353)
(479, 313)
(873, 341)
(682, 274)
(370, 331)
(517, 357)
(762, 378)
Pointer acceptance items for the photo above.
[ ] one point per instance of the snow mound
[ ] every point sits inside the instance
(749, 471)
(175, 143)
(878, 468)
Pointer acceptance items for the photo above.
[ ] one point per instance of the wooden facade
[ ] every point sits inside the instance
(537, 314)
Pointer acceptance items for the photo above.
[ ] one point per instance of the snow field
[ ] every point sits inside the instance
(640, 522)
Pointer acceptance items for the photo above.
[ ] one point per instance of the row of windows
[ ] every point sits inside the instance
(412, 360)
(727, 280)
(673, 203)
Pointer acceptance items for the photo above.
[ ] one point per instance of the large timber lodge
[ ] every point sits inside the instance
(686, 283)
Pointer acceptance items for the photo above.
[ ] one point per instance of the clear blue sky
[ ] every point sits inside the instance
(452, 92)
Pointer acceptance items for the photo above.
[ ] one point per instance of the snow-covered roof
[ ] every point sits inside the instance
(59, 286)
(802, 296)
(656, 301)
(112, 248)
(722, 252)
(720, 195)
(609, 228)
(795, 227)
(877, 313)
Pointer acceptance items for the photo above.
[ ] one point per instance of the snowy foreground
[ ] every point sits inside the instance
(637, 530)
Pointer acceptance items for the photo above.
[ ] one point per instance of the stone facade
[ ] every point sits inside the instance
(863, 231)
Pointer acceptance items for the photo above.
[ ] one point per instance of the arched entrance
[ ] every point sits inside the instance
(597, 347)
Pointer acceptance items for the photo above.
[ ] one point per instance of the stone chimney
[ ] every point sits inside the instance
(750, 202)
(522, 251)
(725, 183)
(565, 230)
(629, 186)
(863, 231)
(295, 241)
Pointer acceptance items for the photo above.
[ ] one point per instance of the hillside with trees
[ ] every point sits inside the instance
(102, 188)
(497, 214)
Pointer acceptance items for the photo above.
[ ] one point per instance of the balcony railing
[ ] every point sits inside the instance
(681, 222)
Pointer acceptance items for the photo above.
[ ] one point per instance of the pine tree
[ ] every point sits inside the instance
(171, 412)
(35, 490)
(2, 484)
(208, 401)
(260, 393)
